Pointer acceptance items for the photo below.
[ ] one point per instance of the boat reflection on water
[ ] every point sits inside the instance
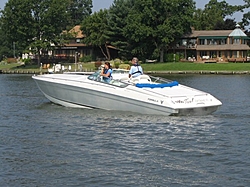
(144, 94)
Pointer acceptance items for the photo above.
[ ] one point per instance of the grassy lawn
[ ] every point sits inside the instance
(16, 66)
(36, 68)
(179, 66)
(197, 67)
(8, 66)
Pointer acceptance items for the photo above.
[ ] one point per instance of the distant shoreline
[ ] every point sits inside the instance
(199, 72)
(147, 72)
(18, 72)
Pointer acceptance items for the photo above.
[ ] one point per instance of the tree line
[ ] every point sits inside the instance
(143, 28)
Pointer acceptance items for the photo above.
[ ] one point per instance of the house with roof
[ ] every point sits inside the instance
(217, 46)
(214, 46)
(76, 48)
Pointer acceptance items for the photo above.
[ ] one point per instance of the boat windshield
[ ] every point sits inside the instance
(159, 80)
(95, 76)
(116, 82)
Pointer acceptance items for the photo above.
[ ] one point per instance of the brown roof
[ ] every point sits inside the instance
(198, 33)
(76, 31)
(223, 47)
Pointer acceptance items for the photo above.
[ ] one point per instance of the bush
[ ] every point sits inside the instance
(127, 62)
(117, 64)
(172, 57)
(124, 66)
(87, 58)
(27, 61)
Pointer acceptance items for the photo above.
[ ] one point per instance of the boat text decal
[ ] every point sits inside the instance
(155, 100)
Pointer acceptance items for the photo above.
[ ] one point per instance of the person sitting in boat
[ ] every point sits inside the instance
(106, 72)
(135, 69)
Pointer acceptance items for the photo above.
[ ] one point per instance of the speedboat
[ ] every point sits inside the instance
(145, 94)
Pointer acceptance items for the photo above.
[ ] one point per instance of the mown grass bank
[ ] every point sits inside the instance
(196, 67)
(149, 67)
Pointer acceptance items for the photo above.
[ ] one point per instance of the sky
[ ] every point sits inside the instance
(101, 4)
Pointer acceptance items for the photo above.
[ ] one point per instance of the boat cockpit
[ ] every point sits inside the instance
(120, 78)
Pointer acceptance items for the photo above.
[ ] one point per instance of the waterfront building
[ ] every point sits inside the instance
(203, 46)
(75, 48)
(218, 46)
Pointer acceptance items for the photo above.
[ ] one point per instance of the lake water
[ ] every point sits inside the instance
(42, 144)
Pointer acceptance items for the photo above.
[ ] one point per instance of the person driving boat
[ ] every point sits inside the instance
(136, 69)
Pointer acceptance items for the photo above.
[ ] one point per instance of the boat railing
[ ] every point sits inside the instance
(196, 95)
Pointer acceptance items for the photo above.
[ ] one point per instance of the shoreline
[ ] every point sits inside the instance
(147, 72)
(202, 72)
(19, 72)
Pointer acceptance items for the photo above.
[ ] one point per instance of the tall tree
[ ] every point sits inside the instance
(34, 24)
(16, 22)
(6, 47)
(118, 12)
(246, 16)
(213, 14)
(152, 25)
(78, 10)
(228, 24)
(95, 27)
(199, 19)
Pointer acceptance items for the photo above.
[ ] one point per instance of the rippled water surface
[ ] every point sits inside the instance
(42, 144)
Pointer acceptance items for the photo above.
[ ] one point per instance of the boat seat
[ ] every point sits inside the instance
(124, 79)
(141, 79)
(144, 79)
(135, 80)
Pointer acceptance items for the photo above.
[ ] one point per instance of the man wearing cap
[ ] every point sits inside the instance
(135, 69)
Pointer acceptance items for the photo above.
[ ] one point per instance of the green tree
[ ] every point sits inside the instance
(228, 24)
(151, 26)
(199, 19)
(34, 24)
(118, 12)
(246, 16)
(15, 23)
(214, 14)
(96, 29)
(78, 10)
(6, 48)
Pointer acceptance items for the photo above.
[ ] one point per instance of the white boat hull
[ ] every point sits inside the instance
(78, 91)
